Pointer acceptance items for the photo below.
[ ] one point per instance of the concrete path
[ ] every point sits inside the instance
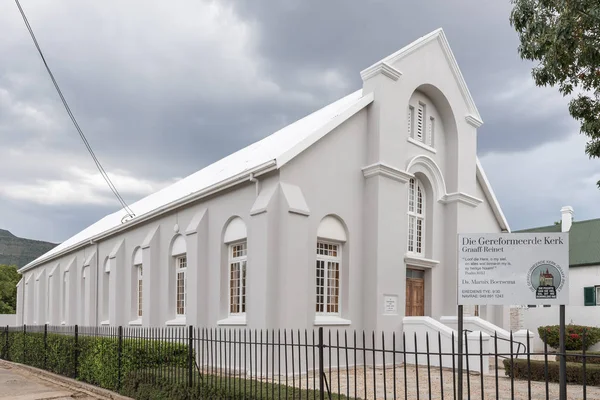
(20, 384)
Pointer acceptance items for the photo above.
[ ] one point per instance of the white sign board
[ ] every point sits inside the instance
(513, 268)
(390, 305)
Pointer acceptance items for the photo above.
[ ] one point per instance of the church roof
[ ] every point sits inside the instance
(584, 241)
(263, 156)
(267, 154)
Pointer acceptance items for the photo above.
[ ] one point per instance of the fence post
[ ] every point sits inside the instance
(562, 378)
(76, 351)
(190, 355)
(45, 345)
(119, 352)
(321, 366)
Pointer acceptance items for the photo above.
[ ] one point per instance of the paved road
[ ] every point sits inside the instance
(18, 384)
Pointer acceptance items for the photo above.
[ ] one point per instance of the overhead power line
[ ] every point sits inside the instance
(64, 101)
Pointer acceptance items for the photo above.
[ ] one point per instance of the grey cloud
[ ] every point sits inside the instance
(161, 91)
(49, 223)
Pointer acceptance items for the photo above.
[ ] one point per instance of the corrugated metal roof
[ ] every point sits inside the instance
(584, 241)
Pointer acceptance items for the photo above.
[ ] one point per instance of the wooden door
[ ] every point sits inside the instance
(415, 297)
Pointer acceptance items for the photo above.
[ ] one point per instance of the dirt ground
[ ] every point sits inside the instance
(19, 384)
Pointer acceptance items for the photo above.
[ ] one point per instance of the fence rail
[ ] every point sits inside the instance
(190, 362)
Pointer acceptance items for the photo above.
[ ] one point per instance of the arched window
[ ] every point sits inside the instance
(106, 292)
(84, 296)
(416, 216)
(237, 249)
(49, 297)
(179, 253)
(138, 283)
(65, 297)
(330, 237)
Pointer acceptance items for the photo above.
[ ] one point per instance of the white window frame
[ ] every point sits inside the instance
(179, 260)
(242, 292)
(65, 297)
(597, 295)
(414, 216)
(139, 299)
(105, 296)
(48, 298)
(326, 259)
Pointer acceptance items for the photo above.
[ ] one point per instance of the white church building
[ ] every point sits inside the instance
(348, 217)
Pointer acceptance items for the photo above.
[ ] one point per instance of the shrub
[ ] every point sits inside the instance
(574, 336)
(153, 384)
(537, 371)
(591, 357)
(97, 358)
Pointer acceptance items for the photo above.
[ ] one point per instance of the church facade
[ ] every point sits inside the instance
(348, 217)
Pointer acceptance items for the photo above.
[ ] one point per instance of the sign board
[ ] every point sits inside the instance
(513, 268)
(390, 305)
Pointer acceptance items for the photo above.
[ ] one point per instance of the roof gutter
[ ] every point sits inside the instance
(217, 187)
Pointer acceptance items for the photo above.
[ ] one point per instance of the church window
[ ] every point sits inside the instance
(416, 217)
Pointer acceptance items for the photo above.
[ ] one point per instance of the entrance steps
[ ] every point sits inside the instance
(501, 345)
(428, 336)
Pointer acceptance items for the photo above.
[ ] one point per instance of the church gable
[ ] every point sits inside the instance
(428, 59)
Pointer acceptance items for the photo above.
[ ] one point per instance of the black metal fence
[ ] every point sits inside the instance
(189, 362)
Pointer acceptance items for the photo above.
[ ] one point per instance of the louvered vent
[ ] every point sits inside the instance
(411, 113)
(420, 121)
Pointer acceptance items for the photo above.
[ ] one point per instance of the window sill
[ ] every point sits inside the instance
(325, 320)
(233, 320)
(137, 322)
(421, 145)
(107, 322)
(179, 321)
(415, 260)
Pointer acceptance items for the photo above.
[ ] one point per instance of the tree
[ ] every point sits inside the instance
(9, 277)
(564, 37)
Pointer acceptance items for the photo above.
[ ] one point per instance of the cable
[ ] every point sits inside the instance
(64, 101)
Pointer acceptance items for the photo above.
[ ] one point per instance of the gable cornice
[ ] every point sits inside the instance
(461, 198)
(440, 36)
(475, 122)
(381, 169)
(382, 68)
(491, 197)
(460, 80)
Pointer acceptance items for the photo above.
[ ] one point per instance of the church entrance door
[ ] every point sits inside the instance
(415, 293)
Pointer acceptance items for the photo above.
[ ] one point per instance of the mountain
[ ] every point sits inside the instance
(19, 251)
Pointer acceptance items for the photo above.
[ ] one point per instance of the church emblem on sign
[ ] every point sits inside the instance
(545, 279)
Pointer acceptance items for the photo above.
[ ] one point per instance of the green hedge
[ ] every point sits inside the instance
(574, 336)
(97, 361)
(156, 385)
(592, 357)
(537, 373)
(29, 349)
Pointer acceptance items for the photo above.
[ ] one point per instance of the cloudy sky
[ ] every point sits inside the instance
(162, 89)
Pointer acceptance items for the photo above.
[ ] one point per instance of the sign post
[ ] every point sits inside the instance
(514, 269)
(460, 351)
(562, 378)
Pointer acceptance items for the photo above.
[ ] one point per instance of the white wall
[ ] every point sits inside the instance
(8, 319)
